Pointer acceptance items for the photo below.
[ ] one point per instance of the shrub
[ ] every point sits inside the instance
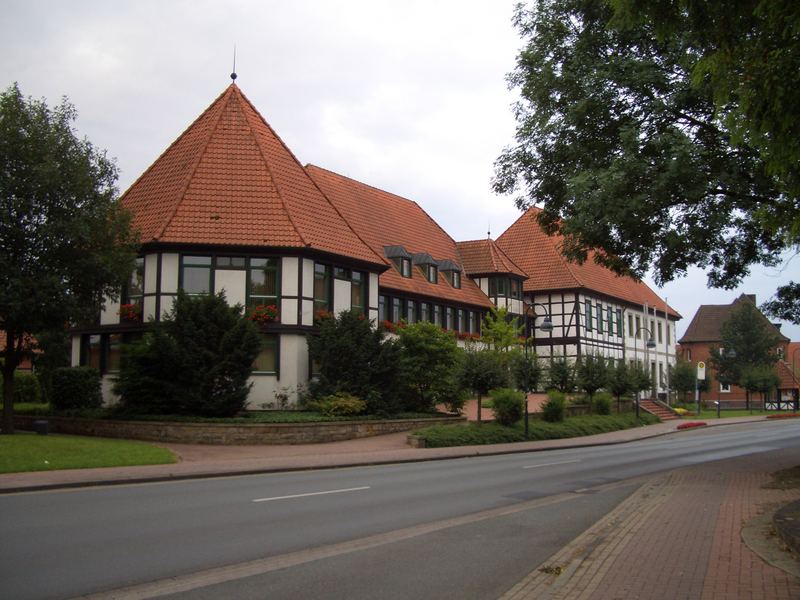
(602, 403)
(337, 405)
(553, 408)
(26, 388)
(76, 388)
(507, 405)
(429, 358)
(481, 371)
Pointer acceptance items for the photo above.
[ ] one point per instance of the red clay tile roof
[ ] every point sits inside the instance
(539, 256)
(482, 257)
(229, 179)
(707, 322)
(383, 219)
(788, 380)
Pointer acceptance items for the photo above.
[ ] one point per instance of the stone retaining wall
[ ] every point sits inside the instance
(230, 434)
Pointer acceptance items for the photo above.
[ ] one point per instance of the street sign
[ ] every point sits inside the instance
(701, 370)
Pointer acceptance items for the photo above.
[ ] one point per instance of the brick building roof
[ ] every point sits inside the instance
(789, 381)
(483, 257)
(539, 255)
(229, 179)
(384, 220)
(706, 325)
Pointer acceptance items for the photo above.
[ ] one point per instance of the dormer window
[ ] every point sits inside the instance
(455, 279)
(400, 258)
(452, 271)
(433, 274)
(404, 267)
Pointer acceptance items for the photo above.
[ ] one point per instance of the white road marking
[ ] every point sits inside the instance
(355, 489)
(563, 462)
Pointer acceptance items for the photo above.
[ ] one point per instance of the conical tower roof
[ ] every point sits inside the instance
(230, 180)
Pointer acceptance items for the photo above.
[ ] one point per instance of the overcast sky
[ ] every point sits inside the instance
(407, 96)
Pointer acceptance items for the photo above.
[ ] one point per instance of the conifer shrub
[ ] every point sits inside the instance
(76, 388)
(602, 403)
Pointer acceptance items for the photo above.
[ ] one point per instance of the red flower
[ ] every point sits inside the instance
(388, 326)
(322, 314)
(130, 312)
(690, 424)
(263, 314)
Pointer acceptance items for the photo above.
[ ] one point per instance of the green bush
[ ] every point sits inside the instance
(338, 405)
(507, 405)
(76, 388)
(26, 388)
(602, 403)
(554, 407)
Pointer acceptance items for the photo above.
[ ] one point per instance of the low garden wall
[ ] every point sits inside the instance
(230, 434)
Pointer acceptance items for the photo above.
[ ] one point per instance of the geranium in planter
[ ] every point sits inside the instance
(130, 313)
(263, 314)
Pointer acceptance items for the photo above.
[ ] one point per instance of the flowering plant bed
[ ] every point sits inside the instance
(690, 424)
(263, 314)
(783, 416)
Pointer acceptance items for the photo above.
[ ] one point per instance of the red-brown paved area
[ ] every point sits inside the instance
(678, 536)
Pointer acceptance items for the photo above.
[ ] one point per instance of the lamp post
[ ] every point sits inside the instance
(546, 326)
(794, 374)
(649, 345)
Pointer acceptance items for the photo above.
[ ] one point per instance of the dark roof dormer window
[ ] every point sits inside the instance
(400, 257)
(451, 271)
(433, 274)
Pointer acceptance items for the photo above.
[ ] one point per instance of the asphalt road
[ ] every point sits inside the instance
(73, 542)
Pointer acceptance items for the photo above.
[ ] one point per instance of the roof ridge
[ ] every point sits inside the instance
(267, 165)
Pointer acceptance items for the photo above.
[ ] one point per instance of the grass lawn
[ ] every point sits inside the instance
(712, 414)
(440, 436)
(31, 452)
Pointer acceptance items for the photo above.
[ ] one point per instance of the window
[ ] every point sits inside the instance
(502, 287)
(341, 273)
(113, 352)
(516, 289)
(599, 318)
(473, 322)
(92, 351)
(659, 333)
(411, 312)
(403, 266)
(433, 274)
(382, 303)
(266, 363)
(262, 282)
(631, 331)
(661, 379)
(588, 310)
(134, 291)
(725, 388)
(322, 287)
(619, 322)
(395, 310)
(462, 320)
(454, 278)
(669, 334)
(610, 313)
(780, 352)
(638, 328)
(229, 262)
(424, 311)
(358, 292)
(688, 354)
(437, 314)
(449, 316)
(196, 275)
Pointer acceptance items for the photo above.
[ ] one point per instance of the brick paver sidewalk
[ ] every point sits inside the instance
(677, 537)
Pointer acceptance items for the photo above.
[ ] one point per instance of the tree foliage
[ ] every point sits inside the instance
(428, 361)
(500, 330)
(65, 243)
(561, 375)
(682, 377)
(526, 371)
(197, 361)
(619, 381)
(591, 374)
(640, 378)
(482, 369)
(747, 340)
(353, 357)
(649, 138)
(785, 305)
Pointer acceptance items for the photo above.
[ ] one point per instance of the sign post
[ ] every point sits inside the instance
(701, 374)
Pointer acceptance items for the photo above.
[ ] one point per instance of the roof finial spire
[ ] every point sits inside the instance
(233, 73)
(489, 230)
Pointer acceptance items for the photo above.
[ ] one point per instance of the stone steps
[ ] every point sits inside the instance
(654, 408)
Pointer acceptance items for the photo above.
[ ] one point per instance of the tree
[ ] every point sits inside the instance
(631, 135)
(640, 378)
(683, 376)
(500, 330)
(526, 371)
(197, 360)
(591, 374)
(65, 243)
(482, 370)
(619, 381)
(785, 305)
(561, 375)
(353, 357)
(748, 340)
(428, 365)
(759, 378)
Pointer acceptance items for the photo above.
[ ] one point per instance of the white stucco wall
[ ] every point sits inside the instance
(150, 273)
(169, 274)
(289, 273)
(288, 314)
(341, 295)
(233, 283)
(75, 351)
(109, 314)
